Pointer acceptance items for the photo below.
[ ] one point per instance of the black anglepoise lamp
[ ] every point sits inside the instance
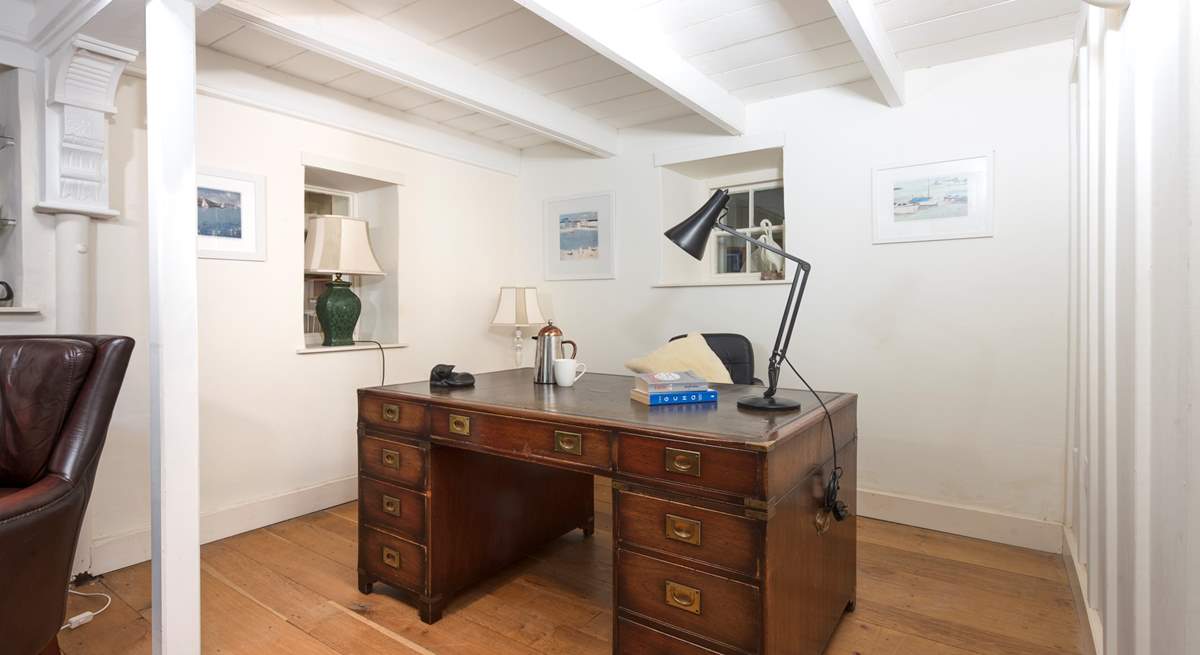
(692, 237)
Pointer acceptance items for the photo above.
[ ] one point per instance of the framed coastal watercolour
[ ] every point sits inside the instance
(231, 215)
(578, 238)
(928, 202)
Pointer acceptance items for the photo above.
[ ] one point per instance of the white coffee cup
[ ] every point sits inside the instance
(567, 371)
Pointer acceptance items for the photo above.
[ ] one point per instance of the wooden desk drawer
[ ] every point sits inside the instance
(394, 560)
(725, 540)
(392, 461)
(391, 414)
(392, 508)
(707, 605)
(566, 443)
(725, 469)
(637, 639)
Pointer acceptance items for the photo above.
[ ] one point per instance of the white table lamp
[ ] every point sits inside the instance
(339, 245)
(518, 307)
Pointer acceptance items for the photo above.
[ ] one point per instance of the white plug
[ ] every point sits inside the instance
(79, 619)
(86, 617)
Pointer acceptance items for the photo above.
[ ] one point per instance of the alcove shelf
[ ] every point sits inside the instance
(20, 310)
(334, 186)
(312, 350)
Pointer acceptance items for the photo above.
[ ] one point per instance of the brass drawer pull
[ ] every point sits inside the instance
(391, 505)
(683, 597)
(391, 458)
(460, 424)
(685, 530)
(686, 462)
(391, 557)
(570, 443)
(391, 413)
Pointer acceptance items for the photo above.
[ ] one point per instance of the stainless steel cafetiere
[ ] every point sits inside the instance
(550, 344)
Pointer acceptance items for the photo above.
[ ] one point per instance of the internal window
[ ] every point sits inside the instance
(755, 210)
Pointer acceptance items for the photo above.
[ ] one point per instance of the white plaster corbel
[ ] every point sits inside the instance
(80, 83)
(81, 86)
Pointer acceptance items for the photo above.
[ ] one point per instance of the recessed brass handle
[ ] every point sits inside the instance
(391, 557)
(570, 443)
(685, 462)
(681, 529)
(390, 458)
(391, 505)
(460, 424)
(391, 413)
(683, 597)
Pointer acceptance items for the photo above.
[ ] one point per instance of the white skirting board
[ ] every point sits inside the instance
(1091, 640)
(112, 553)
(962, 520)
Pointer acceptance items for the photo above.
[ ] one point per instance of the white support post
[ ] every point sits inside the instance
(174, 359)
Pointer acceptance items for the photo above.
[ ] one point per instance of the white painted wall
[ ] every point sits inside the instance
(956, 347)
(26, 250)
(278, 428)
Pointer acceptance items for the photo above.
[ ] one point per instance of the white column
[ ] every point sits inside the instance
(174, 363)
(81, 85)
(72, 275)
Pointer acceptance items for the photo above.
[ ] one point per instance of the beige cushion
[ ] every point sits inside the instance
(690, 353)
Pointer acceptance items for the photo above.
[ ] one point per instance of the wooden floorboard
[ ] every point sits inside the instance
(291, 588)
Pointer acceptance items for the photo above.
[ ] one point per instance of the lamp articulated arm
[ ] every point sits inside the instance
(788, 322)
(692, 234)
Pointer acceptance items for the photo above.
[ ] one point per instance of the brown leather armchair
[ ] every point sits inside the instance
(56, 398)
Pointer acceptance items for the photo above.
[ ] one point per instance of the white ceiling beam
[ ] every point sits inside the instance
(56, 21)
(866, 31)
(331, 29)
(619, 34)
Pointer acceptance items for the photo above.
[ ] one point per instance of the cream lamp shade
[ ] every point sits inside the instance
(339, 245)
(518, 306)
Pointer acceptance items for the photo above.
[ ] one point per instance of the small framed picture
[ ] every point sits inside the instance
(578, 241)
(928, 202)
(231, 215)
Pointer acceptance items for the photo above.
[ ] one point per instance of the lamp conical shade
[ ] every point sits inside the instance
(692, 234)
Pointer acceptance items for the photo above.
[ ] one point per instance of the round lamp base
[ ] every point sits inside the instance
(773, 404)
(338, 310)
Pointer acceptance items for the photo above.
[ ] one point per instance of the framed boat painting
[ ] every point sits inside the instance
(231, 215)
(928, 202)
(578, 238)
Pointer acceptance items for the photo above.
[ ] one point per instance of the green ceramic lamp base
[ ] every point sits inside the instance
(338, 310)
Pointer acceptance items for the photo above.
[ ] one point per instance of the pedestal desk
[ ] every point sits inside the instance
(715, 542)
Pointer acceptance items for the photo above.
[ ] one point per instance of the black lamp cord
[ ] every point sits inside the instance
(382, 359)
(835, 478)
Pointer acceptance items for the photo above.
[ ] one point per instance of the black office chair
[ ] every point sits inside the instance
(735, 352)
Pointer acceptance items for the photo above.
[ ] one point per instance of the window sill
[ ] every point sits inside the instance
(20, 310)
(719, 283)
(312, 350)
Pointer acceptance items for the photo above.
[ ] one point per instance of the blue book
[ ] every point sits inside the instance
(674, 398)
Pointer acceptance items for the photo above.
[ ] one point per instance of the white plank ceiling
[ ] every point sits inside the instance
(756, 49)
(761, 49)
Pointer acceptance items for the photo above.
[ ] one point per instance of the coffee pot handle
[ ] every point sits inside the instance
(574, 348)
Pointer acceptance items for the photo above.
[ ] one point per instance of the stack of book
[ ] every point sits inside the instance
(679, 388)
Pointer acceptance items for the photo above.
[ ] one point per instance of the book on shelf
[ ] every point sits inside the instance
(674, 397)
(669, 381)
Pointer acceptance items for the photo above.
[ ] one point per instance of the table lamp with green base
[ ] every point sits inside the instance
(339, 245)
